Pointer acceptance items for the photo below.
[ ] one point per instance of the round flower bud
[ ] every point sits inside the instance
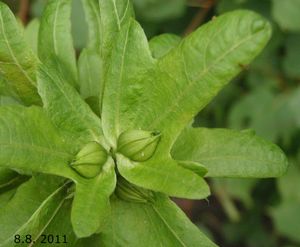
(90, 160)
(138, 145)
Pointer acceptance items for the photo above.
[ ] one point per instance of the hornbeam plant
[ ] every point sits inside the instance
(91, 149)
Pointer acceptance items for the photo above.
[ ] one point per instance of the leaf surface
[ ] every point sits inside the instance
(91, 205)
(160, 223)
(105, 19)
(187, 78)
(162, 44)
(55, 38)
(229, 153)
(91, 75)
(61, 226)
(30, 142)
(163, 175)
(31, 34)
(130, 58)
(17, 62)
(40, 197)
(66, 108)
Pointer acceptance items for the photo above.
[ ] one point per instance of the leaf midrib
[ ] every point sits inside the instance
(36, 212)
(80, 116)
(16, 62)
(168, 226)
(118, 100)
(181, 96)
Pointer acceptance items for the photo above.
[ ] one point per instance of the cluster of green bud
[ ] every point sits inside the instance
(90, 160)
(138, 145)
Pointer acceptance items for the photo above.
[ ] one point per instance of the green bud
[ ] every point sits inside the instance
(138, 145)
(132, 193)
(90, 160)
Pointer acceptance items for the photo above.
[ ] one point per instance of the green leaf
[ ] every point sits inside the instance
(229, 153)
(94, 21)
(30, 142)
(162, 44)
(130, 59)
(286, 13)
(79, 25)
(291, 62)
(288, 183)
(60, 226)
(193, 166)
(160, 223)
(55, 38)
(17, 62)
(158, 11)
(91, 207)
(31, 34)
(66, 108)
(6, 196)
(287, 219)
(188, 77)
(105, 19)
(163, 175)
(41, 197)
(90, 68)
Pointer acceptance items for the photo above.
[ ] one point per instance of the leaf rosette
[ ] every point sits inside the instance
(91, 122)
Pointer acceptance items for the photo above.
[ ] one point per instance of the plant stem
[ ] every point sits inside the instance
(24, 11)
(199, 17)
(226, 202)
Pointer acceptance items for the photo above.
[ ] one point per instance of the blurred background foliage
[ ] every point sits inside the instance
(265, 97)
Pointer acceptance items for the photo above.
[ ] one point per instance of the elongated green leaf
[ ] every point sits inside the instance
(66, 108)
(188, 77)
(55, 37)
(163, 175)
(130, 59)
(94, 21)
(17, 62)
(105, 19)
(41, 198)
(91, 207)
(28, 141)
(31, 34)
(60, 226)
(229, 153)
(162, 44)
(160, 223)
(91, 75)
